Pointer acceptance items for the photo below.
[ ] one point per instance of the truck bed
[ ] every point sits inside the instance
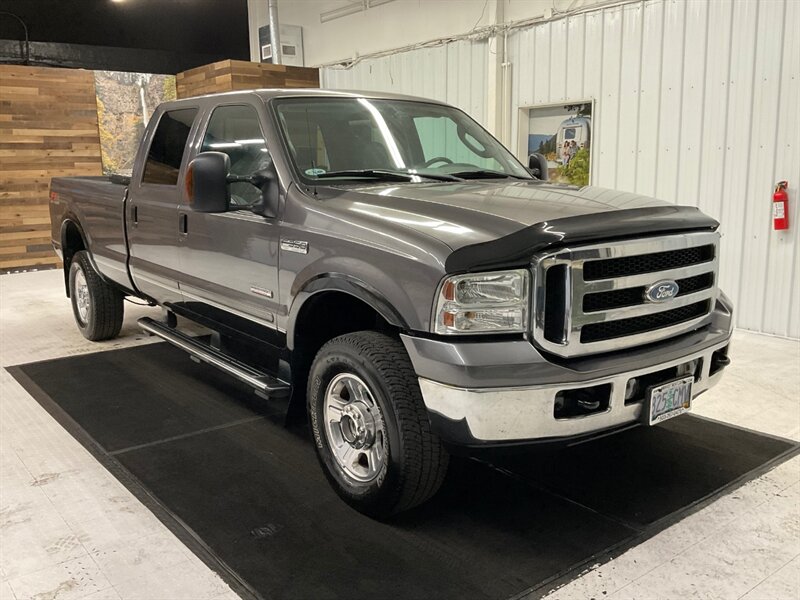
(95, 207)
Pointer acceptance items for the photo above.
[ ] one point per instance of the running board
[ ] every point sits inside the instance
(264, 384)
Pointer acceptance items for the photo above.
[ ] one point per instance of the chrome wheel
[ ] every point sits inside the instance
(82, 298)
(355, 428)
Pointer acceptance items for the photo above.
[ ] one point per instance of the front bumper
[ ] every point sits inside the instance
(518, 404)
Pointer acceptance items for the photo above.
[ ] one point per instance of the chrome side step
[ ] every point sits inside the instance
(264, 384)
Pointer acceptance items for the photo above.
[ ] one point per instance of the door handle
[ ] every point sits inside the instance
(184, 224)
(135, 215)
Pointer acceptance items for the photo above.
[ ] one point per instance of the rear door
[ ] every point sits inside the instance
(229, 261)
(155, 192)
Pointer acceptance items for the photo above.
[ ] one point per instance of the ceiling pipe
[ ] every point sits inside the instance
(274, 32)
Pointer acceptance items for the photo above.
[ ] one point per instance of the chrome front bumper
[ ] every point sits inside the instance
(516, 414)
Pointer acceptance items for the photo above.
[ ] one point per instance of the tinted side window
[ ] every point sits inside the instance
(236, 131)
(166, 150)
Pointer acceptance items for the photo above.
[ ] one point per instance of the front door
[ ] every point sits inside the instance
(153, 208)
(229, 261)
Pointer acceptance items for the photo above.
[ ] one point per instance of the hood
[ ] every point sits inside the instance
(491, 224)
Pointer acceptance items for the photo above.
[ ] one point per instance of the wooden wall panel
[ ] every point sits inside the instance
(231, 75)
(48, 128)
(207, 79)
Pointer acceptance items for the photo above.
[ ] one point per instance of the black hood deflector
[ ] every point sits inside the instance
(516, 249)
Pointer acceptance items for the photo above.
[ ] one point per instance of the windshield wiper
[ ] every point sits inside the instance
(368, 174)
(439, 176)
(485, 174)
(384, 174)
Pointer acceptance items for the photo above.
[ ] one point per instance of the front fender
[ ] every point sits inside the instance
(348, 284)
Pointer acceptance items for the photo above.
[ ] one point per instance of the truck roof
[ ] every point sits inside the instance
(270, 93)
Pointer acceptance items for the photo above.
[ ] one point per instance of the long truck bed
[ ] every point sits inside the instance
(94, 208)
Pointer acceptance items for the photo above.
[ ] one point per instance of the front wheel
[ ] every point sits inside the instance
(97, 306)
(370, 425)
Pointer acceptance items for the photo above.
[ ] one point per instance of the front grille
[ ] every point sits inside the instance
(597, 332)
(646, 263)
(593, 298)
(556, 302)
(633, 296)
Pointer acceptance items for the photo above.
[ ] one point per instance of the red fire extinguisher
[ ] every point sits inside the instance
(780, 207)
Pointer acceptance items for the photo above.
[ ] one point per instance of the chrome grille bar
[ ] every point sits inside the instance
(626, 312)
(574, 318)
(618, 283)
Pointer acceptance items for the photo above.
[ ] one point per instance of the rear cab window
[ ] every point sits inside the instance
(166, 151)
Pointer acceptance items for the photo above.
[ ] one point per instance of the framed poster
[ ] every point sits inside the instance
(563, 135)
(125, 102)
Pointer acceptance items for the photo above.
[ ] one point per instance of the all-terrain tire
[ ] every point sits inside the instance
(97, 307)
(415, 461)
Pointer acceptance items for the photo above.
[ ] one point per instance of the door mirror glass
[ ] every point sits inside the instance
(207, 182)
(537, 166)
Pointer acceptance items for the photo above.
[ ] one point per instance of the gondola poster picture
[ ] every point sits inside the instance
(563, 135)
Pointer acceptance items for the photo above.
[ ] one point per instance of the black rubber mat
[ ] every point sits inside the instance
(216, 464)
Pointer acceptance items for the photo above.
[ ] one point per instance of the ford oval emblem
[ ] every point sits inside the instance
(661, 291)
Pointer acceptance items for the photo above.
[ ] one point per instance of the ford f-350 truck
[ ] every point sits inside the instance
(391, 268)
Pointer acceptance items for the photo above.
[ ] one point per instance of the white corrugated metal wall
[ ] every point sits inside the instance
(454, 73)
(696, 102)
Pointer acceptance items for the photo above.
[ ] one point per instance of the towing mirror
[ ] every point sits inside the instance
(206, 182)
(266, 180)
(537, 166)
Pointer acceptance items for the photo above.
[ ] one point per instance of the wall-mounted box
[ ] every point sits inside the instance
(291, 45)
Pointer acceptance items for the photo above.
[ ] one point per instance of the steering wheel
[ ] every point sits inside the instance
(441, 159)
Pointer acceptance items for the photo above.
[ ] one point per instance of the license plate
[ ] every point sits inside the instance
(668, 400)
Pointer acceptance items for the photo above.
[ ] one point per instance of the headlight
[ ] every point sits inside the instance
(483, 303)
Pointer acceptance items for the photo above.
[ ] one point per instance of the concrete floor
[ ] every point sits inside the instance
(68, 529)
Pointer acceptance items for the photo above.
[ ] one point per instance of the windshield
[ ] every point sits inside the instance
(332, 139)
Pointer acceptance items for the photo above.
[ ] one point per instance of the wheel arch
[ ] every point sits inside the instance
(327, 283)
(329, 305)
(73, 240)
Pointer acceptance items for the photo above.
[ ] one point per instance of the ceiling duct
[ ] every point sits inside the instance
(352, 8)
(274, 33)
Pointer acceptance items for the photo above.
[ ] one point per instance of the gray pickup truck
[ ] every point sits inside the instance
(390, 268)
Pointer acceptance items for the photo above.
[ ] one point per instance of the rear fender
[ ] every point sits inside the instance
(67, 253)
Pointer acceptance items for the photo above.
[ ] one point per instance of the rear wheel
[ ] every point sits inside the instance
(97, 306)
(370, 425)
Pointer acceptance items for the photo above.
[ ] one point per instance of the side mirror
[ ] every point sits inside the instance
(206, 182)
(266, 180)
(537, 166)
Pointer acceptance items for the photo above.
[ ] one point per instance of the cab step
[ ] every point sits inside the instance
(264, 384)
